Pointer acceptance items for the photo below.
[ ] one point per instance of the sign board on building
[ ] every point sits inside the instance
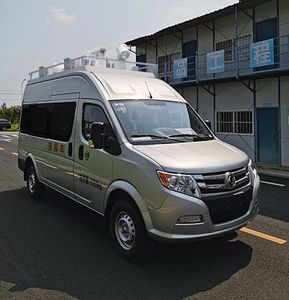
(262, 53)
(180, 68)
(216, 62)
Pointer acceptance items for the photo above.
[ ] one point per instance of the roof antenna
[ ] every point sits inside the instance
(150, 94)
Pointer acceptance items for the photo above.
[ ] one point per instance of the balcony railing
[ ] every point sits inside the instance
(242, 61)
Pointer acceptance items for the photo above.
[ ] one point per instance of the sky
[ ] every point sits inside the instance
(43, 32)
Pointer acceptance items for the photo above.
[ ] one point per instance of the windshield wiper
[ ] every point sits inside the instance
(198, 137)
(155, 137)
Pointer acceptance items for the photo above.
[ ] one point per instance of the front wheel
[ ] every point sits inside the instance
(34, 186)
(127, 230)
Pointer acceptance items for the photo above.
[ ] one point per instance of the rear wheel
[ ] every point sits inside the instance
(127, 229)
(34, 186)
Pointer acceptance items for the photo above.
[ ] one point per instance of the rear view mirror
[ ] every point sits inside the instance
(208, 123)
(103, 137)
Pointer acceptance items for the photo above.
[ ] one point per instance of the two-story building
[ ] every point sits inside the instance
(232, 66)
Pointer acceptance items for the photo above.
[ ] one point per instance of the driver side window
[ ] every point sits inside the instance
(92, 113)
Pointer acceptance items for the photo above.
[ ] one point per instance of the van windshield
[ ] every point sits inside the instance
(158, 121)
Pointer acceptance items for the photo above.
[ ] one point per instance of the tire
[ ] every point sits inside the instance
(127, 230)
(34, 186)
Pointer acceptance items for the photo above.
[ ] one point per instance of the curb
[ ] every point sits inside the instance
(274, 173)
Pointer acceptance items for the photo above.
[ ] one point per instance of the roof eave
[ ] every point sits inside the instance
(205, 18)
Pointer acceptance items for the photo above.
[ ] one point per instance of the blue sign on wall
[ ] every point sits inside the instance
(216, 62)
(262, 53)
(180, 68)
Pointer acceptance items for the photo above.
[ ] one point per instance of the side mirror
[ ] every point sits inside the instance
(208, 123)
(112, 146)
(103, 137)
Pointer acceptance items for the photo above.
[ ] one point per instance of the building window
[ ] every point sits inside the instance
(162, 61)
(161, 64)
(244, 47)
(236, 122)
(229, 46)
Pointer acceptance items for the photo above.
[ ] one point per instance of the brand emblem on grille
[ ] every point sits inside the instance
(230, 180)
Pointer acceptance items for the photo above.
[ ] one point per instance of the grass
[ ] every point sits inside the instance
(14, 127)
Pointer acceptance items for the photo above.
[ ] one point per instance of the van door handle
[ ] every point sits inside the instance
(70, 149)
(80, 152)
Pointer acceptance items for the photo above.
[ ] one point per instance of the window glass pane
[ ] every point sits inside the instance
(61, 121)
(92, 113)
(24, 126)
(156, 117)
(34, 119)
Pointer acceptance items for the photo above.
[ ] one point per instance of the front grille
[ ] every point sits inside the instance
(228, 208)
(216, 182)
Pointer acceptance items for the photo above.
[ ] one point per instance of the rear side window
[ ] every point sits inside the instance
(61, 121)
(53, 121)
(34, 119)
(92, 113)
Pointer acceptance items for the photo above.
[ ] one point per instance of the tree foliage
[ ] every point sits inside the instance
(11, 113)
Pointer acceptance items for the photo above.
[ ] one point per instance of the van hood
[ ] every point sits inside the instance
(195, 157)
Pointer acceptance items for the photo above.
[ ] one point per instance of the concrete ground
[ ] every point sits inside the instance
(57, 249)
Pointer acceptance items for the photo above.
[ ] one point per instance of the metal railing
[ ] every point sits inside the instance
(236, 64)
(92, 61)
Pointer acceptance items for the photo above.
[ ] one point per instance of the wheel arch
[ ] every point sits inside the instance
(28, 161)
(123, 188)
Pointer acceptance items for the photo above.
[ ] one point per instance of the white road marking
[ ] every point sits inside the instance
(272, 183)
(1, 149)
(14, 153)
(6, 140)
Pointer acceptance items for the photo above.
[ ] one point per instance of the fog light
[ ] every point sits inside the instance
(190, 219)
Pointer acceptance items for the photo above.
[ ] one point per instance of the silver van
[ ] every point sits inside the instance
(129, 147)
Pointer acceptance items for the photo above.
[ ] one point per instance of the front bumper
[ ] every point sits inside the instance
(164, 219)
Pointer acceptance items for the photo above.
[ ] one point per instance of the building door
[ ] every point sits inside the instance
(189, 51)
(268, 135)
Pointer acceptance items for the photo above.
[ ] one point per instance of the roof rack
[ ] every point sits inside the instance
(93, 61)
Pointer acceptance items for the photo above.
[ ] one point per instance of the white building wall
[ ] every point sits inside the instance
(206, 106)
(151, 52)
(225, 28)
(235, 96)
(284, 32)
(190, 94)
(284, 17)
(169, 45)
(284, 97)
(205, 39)
(267, 92)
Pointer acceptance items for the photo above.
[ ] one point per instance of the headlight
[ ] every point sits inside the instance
(253, 170)
(184, 184)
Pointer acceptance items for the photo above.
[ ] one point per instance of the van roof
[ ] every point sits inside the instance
(134, 85)
(113, 84)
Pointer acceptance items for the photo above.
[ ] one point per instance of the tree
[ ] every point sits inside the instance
(11, 113)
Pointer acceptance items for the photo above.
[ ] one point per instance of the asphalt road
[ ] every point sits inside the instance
(57, 249)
